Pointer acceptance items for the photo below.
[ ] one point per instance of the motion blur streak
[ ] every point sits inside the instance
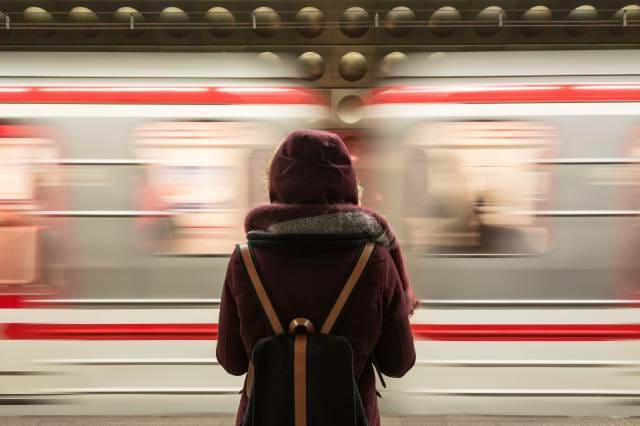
(450, 332)
(158, 95)
(112, 331)
(508, 93)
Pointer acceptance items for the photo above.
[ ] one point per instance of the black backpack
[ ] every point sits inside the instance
(303, 378)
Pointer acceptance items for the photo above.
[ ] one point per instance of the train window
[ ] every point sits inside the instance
(27, 164)
(28, 258)
(198, 183)
(479, 187)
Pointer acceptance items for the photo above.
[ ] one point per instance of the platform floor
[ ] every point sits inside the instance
(388, 421)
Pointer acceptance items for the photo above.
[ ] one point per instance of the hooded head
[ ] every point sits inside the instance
(312, 167)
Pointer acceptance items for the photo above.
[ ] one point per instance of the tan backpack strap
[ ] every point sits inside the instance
(300, 379)
(250, 266)
(348, 288)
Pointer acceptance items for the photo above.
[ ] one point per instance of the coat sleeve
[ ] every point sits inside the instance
(394, 352)
(230, 350)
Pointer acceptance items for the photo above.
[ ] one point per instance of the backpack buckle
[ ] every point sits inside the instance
(296, 326)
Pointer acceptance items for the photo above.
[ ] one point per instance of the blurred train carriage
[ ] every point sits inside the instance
(518, 171)
(513, 178)
(161, 154)
(510, 177)
(131, 175)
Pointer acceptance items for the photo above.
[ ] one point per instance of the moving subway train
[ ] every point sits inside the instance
(511, 178)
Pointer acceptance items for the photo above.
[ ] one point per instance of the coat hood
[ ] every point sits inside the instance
(312, 167)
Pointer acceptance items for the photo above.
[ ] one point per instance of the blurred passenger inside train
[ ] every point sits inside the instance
(305, 244)
(472, 190)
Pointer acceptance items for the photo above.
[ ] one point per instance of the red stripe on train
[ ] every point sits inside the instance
(526, 332)
(448, 332)
(22, 131)
(507, 93)
(197, 95)
(11, 301)
(111, 331)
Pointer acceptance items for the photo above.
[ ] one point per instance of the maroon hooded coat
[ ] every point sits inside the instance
(313, 191)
